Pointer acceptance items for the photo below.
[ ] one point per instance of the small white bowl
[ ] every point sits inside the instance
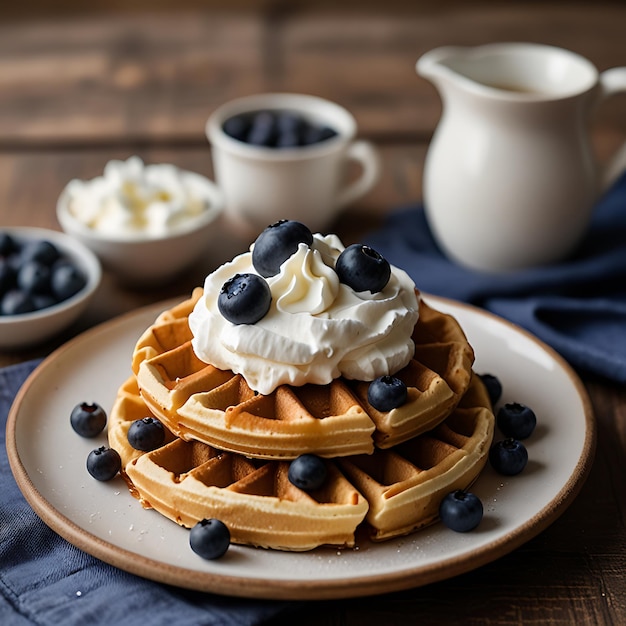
(144, 261)
(27, 329)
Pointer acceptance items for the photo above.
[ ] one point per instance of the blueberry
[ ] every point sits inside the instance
(307, 472)
(16, 302)
(8, 245)
(66, 280)
(516, 420)
(210, 538)
(244, 299)
(290, 122)
(317, 134)
(327, 133)
(34, 277)
(146, 434)
(288, 139)
(291, 128)
(362, 268)
(104, 463)
(493, 386)
(386, 393)
(43, 300)
(42, 251)
(237, 127)
(276, 129)
(15, 261)
(263, 132)
(461, 511)
(276, 244)
(88, 419)
(8, 276)
(508, 457)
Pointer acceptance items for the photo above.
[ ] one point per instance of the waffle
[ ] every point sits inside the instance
(405, 485)
(187, 481)
(199, 402)
(395, 491)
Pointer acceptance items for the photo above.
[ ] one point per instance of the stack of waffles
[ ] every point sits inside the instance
(227, 449)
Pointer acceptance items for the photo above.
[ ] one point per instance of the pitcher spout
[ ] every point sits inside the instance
(525, 71)
(438, 64)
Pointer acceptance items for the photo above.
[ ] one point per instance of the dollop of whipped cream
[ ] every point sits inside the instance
(316, 329)
(132, 198)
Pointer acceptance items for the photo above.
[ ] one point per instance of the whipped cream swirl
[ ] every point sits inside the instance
(317, 328)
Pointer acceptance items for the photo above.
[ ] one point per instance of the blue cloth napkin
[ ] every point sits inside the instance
(44, 580)
(577, 306)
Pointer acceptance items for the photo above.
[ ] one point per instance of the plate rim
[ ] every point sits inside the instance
(327, 589)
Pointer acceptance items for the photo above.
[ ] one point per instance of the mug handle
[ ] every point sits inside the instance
(364, 153)
(613, 81)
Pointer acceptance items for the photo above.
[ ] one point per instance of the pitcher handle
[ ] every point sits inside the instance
(613, 81)
(364, 153)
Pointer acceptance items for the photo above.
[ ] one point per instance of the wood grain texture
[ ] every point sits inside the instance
(81, 85)
(153, 77)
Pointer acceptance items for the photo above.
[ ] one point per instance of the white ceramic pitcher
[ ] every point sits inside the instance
(510, 179)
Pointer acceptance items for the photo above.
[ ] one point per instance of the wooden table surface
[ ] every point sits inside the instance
(79, 87)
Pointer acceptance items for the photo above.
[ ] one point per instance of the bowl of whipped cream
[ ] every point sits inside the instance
(146, 222)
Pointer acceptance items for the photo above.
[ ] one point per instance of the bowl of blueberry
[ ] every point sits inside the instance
(289, 155)
(46, 282)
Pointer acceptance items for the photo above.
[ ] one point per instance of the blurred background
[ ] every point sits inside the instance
(81, 83)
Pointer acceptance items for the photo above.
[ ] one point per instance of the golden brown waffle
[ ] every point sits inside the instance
(199, 402)
(189, 481)
(405, 485)
(400, 489)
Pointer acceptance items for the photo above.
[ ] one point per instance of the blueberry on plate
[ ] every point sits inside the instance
(276, 244)
(493, 386)
(104, 463)
(244, 299)
(307, 472)
(461, 511)
(88, 419)
(508, 457)
(209, 538)
(386, 393)
(516, 420)
(363, 269)
(146, 434)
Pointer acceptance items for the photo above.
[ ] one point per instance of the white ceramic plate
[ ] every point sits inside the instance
(48, 461)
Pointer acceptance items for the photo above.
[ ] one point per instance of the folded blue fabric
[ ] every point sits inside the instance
(577, 306)
(44, 580)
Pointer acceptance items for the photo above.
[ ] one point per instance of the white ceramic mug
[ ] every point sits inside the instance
(262, 185)
(510, 179)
